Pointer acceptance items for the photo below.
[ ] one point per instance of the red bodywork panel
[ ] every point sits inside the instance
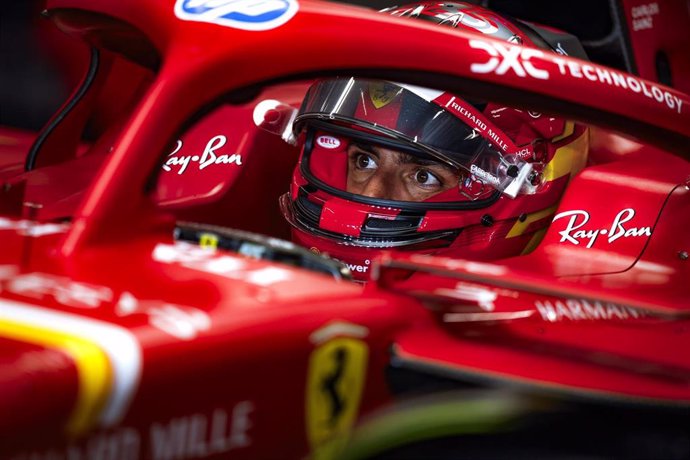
(659, 38)
(117, 340)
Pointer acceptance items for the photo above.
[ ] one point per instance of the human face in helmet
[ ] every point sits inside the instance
(436, 135)
(387, 166)
(384, 173)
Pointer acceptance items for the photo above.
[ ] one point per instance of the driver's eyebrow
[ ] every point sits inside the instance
(406, 158)
(367, 148)
(403, 158)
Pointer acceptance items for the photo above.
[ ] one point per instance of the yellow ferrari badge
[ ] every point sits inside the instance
(208, 240)
(382, 93)
(335, 380)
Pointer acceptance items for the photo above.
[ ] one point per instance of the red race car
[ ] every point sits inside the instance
(489, 247)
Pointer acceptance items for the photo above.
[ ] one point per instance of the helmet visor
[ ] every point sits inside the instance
(387, 124)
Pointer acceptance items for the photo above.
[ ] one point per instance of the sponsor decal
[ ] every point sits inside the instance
(181, 322)
(62, 290)
(201, 435)
(197, 435)
(254, 15)
(328, 142)
(580, 309)
(335, 379)
(31, 228)
(478, 122)
(209, 157)
(613, 78)
(178, 321)
(576, 233)
(359, 268)
(209, 261)
(505, 57)
(481, 295)
(353, 267)
(643, 16)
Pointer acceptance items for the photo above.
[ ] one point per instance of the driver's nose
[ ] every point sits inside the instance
(383, 186)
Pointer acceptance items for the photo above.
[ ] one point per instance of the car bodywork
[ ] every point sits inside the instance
(124, 338)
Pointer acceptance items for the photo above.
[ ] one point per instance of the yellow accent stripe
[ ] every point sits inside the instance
(520, 227)
(534, 241)
(568, 159)
(93, 369)
(568, 129)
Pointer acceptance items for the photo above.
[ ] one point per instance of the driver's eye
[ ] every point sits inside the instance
(424, 177)
(364, 161)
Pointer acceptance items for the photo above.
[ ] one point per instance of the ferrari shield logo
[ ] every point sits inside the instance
(335, 380)
(382, 93)
(208, 240)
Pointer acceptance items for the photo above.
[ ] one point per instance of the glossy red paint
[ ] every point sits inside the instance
(157, 348)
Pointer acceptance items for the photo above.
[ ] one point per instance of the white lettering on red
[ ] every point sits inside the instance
(612, 78)
(584, 310)
(328, 142)
(194, 437)
(503, 58)
(574, 232)
(207, 158)
(62, 290)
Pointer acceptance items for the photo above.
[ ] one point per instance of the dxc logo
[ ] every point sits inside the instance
(508, 57)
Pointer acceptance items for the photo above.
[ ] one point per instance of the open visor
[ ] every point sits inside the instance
(409, 119)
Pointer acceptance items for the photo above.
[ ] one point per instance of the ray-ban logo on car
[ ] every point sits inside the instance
(239, 14)
(209, 157)
(328, 142)
(504, 58)
(576, 232)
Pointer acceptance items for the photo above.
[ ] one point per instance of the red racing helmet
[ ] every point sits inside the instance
(389, 165)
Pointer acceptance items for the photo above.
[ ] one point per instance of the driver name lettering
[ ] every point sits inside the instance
(576, 233)
(643, 16)
(481, 174)
(209, 157)
(612, 78)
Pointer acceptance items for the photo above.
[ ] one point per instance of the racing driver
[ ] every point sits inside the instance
(388, 165)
